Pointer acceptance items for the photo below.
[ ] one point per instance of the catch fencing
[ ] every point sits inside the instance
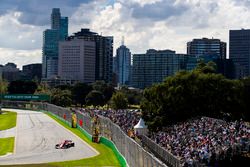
(160, 152)
(135, 155)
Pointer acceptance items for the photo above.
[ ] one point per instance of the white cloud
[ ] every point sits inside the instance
(211, 18)
(197, 19)
(20, 57)
(15, 35)
(141, 2)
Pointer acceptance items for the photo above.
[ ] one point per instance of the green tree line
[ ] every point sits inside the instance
(200, 92)
(80, 94)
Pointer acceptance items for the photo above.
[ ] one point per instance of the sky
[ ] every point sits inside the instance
(145, 24)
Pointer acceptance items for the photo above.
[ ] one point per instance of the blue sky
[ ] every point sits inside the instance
(159, 24)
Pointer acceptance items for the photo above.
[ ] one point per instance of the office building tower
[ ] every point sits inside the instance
(10, 72)
(207, 47)
(123, 65)
(226, 68)
(50, 53)
(64, 28)
(103, 53)
(239, 51)
(77, 60)
(51, 38)
(55, 18)
(32, 71)
(154, 66)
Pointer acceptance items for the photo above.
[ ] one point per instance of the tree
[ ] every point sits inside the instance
(108, 92)
(43, 88)
(61, 97)
(246, 98)
(22, 87)
(106, 89)
(99, 86)
(202, 67)
(191, 94)
(3, 86)
(95, 98)
(134, 96)
(64, 87)
(3, 90)
(119, 101)
(79, 93)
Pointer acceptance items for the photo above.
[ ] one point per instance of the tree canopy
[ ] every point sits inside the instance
(106, 89)
(95, 98)
(200, 92)
(79, 93)
(61, 97)
(22, 87)
(119, 101)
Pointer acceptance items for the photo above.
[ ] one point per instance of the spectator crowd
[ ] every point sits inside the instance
(202, 140)
(205, 140)
(126, 119)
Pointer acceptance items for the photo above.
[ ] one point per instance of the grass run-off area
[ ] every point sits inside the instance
(106, 157)
(7, 120)
(6, 145)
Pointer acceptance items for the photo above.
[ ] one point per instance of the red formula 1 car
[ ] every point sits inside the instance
(65, 144)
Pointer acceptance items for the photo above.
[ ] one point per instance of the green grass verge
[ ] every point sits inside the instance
(7, 120)
(105, 158)
(6, 145)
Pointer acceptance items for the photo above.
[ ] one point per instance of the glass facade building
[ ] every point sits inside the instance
(32, 71)
(207, 47)
(51, 38)
(155, 66)
(63, 28)
(123, 65)
(239, 51)
(55, 18)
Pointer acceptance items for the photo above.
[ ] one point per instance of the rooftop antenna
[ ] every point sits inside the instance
(122, 40)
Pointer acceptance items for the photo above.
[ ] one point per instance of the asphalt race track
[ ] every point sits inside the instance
(36, 136)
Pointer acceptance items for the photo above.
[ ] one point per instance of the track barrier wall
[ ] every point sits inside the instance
(160, 152)
(128, 151)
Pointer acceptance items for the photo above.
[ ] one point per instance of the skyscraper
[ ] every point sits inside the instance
(123, 64)
(64, 28)
(207, 47)
(77, 60)
(51, 38)
(103, 53)
(32, 71)
(155, 66)
(239, 51)
(55, 18)
(50, 53)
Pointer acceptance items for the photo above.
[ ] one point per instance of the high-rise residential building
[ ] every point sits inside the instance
(77, 60)
(239, 51)
(51, 38)
(32, 71)
(155, 66)
(103, 53)
(122, 63)
(207, 47)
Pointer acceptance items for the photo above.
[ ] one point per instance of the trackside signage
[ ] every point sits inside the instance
(26, 97)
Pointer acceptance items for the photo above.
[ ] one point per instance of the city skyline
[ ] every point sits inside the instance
(158, 24)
